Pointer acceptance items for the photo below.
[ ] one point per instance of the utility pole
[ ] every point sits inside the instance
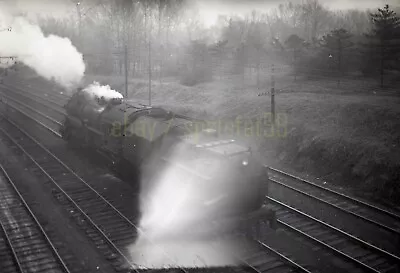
(78, 12)
(159, 38)
(126, 70)
(147, 14)
(125, 43)
(273, 94)
(125, 40)
(150, 65)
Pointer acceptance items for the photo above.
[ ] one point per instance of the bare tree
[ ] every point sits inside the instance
(256, 41)
(314, 18)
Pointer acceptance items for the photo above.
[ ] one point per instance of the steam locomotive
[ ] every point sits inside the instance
(230, 183)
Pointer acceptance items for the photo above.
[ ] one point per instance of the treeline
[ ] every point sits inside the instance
(341, 52)
(167, 38)
(102, 29)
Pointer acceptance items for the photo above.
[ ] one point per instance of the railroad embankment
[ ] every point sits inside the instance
(354, 142)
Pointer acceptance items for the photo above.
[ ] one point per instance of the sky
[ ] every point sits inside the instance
(208, 9)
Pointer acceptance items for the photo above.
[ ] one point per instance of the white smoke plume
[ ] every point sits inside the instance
(97, 90)
(173, 229)
(52, 57)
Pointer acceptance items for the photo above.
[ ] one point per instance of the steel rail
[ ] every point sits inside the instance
(32, 215)
(33, 109)
(14, 254)
(292, 263)
(285, 258)
(32, 118)
(344, 210)
(84, 183)
(12, 88)
(357, 262)
(350, 198)
(67, 196)
(36, 98)
(335, 206)
(354, 238)
(381, 225)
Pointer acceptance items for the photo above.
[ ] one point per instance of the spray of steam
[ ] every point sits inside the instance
(97, 90)
(52, 57)
(167, 227)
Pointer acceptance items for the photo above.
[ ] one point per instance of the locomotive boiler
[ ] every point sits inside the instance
(143, 141)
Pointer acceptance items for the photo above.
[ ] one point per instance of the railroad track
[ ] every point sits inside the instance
(109, 226)
(37, 114)
(381, 217)
(53, 100)
(25, 247)
(355, 219)
(359, 252)
(362, 254)
(255, 257)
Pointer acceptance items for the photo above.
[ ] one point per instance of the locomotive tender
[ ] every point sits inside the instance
(230, 182)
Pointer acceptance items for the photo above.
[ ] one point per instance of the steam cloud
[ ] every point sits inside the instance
(52, 57)
(97, 90)
(169, 223)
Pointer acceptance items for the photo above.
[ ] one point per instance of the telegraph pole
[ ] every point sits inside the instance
(150, 66)
(273, 94)
(78, 12)
(126, 70)
(125, 39)
(149, 37)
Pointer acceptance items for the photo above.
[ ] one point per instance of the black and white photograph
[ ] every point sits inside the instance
(199, 136)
